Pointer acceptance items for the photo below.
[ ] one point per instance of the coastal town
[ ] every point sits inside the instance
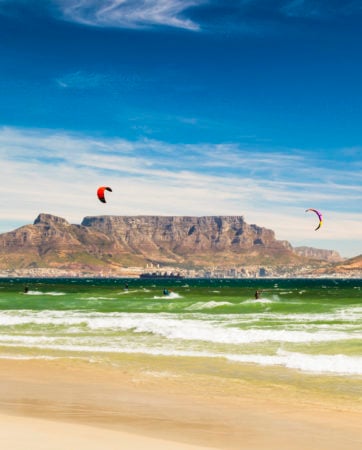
(188, 247)
(164, 272)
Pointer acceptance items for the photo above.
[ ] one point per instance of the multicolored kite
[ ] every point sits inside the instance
(319, 214)
(100, 193)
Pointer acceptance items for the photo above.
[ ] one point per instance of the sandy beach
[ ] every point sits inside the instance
(18, 433)
(74, 404)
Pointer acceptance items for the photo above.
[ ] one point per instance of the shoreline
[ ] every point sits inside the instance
(139, 402)
(93, 275)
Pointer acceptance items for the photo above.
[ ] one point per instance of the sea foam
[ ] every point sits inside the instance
(323, 364)
(180, 327)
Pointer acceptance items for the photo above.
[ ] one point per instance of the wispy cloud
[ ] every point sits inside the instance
(81, 80)
(236, 16)
(129, 13)
(115, 84)
(58, 172)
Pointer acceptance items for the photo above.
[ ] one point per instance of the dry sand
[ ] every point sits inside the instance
(24, 433)
(62, 405)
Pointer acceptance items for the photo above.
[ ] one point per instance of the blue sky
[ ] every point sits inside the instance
(194, 107)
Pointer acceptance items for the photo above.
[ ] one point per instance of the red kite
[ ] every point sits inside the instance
(100, 193)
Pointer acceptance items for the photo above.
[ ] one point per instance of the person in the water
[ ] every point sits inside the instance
(257, 294)
(165, 292)
(26, 289)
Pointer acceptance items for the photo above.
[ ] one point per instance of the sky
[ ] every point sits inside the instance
(185, 107)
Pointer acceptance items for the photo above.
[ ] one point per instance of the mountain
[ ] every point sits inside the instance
(113, 241)
(319, 254)
(193, 241)
(349, 267)
(52, 242)
(109, 243)
(352, 263)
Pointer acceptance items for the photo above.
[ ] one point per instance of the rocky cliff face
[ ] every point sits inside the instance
(318, 254)
(51, 242)
(193, 240)
(111, 241)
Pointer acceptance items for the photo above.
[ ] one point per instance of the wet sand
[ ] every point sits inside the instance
(76, 404)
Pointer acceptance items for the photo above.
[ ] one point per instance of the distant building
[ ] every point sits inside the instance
(262, 272)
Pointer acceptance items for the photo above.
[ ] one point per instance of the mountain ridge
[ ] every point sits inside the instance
(113, 242)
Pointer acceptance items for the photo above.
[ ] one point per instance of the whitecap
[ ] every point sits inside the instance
(169, 295)
(207, 305)
(44, 293)
(182, 327)
(257, 300)
(315, 364)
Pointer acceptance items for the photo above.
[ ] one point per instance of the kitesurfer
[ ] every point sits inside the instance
(165, 292)
(26, 289)
(257, 294)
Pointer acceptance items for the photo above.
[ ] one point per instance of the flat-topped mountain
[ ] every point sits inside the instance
(193, 240)
(120, 241)
(136, 240)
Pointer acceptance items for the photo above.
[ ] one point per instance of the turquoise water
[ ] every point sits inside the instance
(311, 326)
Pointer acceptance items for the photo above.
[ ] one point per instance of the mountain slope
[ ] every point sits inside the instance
(120, 241)
(348, 267)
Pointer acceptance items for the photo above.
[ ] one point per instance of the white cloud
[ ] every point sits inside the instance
(245, 16)
(58, 173)
(129, 13)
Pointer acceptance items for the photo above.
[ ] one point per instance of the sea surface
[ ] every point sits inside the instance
(310, 327)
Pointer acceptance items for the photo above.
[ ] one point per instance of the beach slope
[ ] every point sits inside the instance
(60, 405)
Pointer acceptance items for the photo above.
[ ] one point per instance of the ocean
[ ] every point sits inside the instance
(305, 331)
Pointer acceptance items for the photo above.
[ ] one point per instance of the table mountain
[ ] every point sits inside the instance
(120, 241)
